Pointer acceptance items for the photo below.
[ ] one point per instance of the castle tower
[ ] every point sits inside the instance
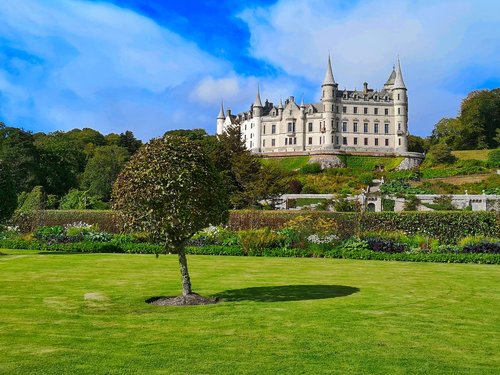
(220, 119)
(329, 91)
(257, 120)
(400, 111)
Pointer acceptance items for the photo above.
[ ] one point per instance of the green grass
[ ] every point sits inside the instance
(85, 314)
(472, 154)
(287, 164)
(368, 163)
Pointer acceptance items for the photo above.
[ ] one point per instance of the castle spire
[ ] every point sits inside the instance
(258, 103)
(221, 112)
(302, 101)
(398, 80)
(281, 104)
(329, 74)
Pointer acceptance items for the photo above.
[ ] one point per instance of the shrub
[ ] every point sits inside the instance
(440, 153)
(494, 158)
(485, 247)
(295, 186)
(411, 203)
(311, 168)
(388, 204)
(387, 246)
(253, 241)
(365, 178)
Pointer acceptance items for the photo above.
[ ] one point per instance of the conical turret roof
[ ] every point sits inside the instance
(329, 74)
(398, 81)
(258, 103)
(221, 112)
(392, 77)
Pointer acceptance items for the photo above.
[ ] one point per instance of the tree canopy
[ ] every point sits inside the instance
(171, 190)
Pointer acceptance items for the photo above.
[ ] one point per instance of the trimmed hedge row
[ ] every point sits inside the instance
(447, 227)
(342, 253)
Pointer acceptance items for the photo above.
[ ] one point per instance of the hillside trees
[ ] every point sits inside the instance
(8, 200)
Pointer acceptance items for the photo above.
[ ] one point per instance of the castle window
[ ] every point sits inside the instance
(375, 128)
(273, 142)
(264, 129)
(332, 125)
(290, 127)
(295, 141)
(245, 126)
(366, 141)
(310, 127)
(387, 111)
(355, 140)
(399, 110)
(344, 141)
(399, 139)
(310, 111)
(251, 135)
(366, 110)
(273, 129)
(310, 140)
(337, 127)
(332, 138)
(365, 127)
(376, 141)
(336, 109)
(355, 109)
(290, 112)
(399, 126)
(344, 109)
(375, 110)
(355, 127)
(336, 140)
(398, 96)
(286, 141)
(386, 142)
(386, 128)
(320, 140)
(264, 143)
(344, 126)
(332, 107)
(251, 144)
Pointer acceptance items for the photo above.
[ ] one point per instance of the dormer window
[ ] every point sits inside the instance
(310, 111)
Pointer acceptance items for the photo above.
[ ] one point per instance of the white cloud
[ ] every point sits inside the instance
(437, 41)
(98, 65)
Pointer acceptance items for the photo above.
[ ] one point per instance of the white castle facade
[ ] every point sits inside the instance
(366, 121)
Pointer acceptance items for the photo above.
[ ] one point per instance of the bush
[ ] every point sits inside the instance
(411, 203)
(494, 158)
(388, 204)
(311, 168)
(440, 153)
(387, 246)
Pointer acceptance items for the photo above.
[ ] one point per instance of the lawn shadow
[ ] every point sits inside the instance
(283, 293)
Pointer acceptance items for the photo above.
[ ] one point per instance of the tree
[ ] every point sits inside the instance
(130, 142)
(418, 144)
(440, 154)
(102, 169)
(8, 201)
(170, 189)
(17, 150)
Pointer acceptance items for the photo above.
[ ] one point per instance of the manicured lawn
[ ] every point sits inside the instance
(85, 314)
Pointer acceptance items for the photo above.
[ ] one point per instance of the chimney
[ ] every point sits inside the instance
(229, 111)
(365, 87)
(292, 99)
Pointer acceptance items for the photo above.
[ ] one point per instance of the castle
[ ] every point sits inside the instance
(366, 121)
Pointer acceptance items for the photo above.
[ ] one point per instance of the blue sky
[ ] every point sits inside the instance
(152, 66)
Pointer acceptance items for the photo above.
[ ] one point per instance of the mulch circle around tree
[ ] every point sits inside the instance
(189, 300)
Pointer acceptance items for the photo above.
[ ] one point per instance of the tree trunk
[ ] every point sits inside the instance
(186, 281)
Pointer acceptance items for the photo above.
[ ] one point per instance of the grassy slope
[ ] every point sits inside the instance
(288, 164)
(405, 318)
(472, 154)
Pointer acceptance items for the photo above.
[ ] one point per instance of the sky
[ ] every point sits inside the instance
(152, 66)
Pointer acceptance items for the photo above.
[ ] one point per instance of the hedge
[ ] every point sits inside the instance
(447, 227)
(142, 248)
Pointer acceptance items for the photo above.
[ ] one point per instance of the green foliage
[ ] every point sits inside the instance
(17, 150)
(102, 169)
(366, 178)
(171, 190)
(8, 199)
(254, 241)
(411, 203)
(418, 144)
(346, 205)
(440, 153)
(443, 203)
(33, 201)
(400, 186)
(81, 200)
(494, 158)
(388, 204)
(311, 168)
(370, 163)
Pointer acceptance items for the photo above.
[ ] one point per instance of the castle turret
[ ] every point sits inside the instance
(220, 119)
(256, 122)
(329, 91)
(280, 110)
(400, 111)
